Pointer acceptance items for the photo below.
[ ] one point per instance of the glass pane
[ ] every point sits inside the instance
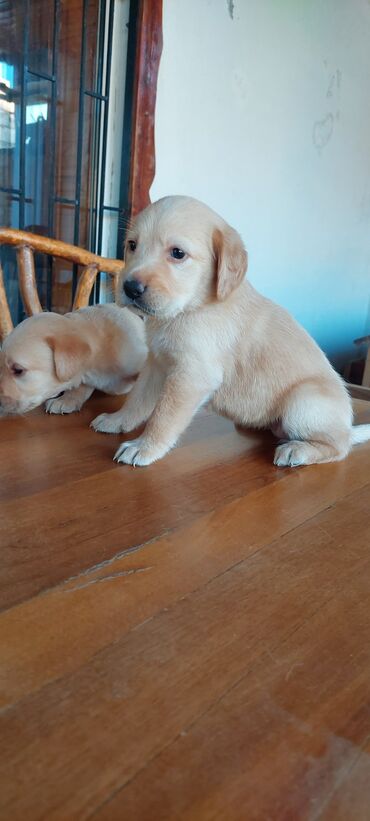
(64, 220)
(111, 221)
(11, 40)
(62, 286)
(68, 87)
(41, 29)
(90, 171)
(9, 210)
(68, 91)
(9, 265)
(113, 154)
(42, 271)
(108, 249)
(94, 29)
(38, 171)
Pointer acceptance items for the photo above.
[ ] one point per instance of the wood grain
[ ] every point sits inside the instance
(185, 641)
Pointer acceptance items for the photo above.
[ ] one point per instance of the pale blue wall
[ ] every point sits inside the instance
(263, 111)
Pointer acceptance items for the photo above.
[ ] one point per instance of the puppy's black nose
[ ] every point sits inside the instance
(133, 288)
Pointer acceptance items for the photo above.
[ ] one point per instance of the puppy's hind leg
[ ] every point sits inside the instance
(317, 418)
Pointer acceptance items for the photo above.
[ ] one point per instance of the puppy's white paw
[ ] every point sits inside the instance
(137, 453)
(108, 423)
(292, 454)
(64, 404)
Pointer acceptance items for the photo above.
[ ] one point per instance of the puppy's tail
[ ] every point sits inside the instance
(360, 433)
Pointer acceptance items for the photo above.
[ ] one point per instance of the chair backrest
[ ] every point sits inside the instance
(26, 244)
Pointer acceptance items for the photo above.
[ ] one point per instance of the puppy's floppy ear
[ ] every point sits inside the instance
(231, 260)
(71, 354)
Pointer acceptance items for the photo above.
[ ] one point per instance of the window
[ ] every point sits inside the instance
(62, 95)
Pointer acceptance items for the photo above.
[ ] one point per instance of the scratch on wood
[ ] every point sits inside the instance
(108, 578)
(121, 555)
(293, 667)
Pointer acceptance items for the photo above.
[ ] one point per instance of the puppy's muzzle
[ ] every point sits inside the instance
(134, 289)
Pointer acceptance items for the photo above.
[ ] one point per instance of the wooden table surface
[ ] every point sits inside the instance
(189, 640)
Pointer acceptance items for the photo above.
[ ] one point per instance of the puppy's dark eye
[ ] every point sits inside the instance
(17, 370)
(131, 245)
(177, 253)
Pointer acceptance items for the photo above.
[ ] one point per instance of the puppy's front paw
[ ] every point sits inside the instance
(108, 423)
(137, 453)
(64, 404)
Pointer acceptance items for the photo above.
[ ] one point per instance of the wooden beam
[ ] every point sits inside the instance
(358, 391)
(63, 250)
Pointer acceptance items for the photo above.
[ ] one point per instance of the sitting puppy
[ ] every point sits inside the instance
(212, 337)
(59, 360)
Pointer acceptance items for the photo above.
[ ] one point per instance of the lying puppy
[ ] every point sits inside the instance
(211, 336)
(59, 360)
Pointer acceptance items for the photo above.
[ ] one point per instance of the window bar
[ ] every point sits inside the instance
(98, 159)
(15, 191)
(100, 62)
(101, 97)
(22, 130)
(53, 120)
(94, 165)
(22, 136)
(127, 123)
(79, 143)
(64, 200)
(42, 75)
(104, 142)
(98, 98)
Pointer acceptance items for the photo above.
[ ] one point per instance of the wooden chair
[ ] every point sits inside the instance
(26, 244)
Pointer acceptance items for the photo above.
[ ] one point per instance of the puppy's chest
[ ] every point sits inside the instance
(165, 346)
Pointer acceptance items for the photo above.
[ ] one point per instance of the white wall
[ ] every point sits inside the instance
(263, 111)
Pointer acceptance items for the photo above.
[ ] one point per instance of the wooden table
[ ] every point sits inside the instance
(187, 641)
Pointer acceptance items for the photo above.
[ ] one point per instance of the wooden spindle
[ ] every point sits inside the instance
(6, 324)
(85, 286)
(27, 280)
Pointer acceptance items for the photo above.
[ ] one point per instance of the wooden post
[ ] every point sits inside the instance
(85, 286)
(148, 55)
(27, 280)
(366, 376)
(6, 324)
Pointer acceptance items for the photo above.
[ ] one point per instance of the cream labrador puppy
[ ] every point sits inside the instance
(59, 360)
(212, 337)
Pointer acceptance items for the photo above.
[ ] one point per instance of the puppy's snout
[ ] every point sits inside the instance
(133, 288)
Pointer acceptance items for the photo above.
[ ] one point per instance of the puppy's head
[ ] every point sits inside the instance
(180, 255)
(40, 358)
